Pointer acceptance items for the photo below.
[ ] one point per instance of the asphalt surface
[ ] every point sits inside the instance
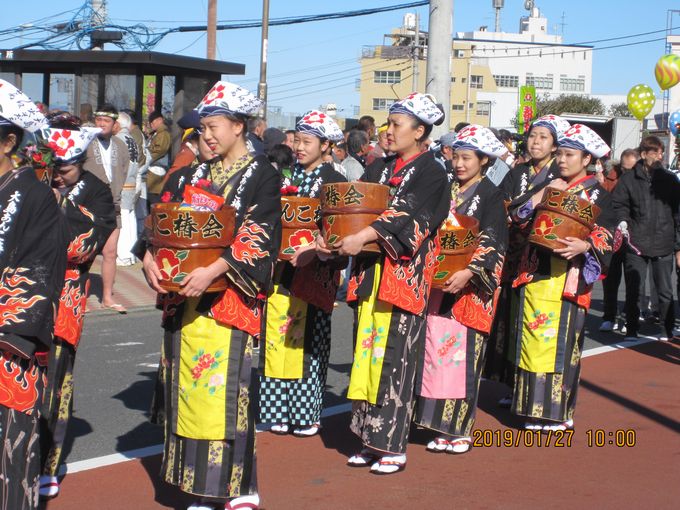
(116, 368)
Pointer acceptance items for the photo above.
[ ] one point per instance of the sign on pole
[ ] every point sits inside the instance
(527, 107)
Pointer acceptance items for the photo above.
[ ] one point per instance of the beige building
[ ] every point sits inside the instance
(387, 75)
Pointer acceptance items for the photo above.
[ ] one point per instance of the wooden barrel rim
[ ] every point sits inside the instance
(545, 207)
(351, 210)
(187, 246)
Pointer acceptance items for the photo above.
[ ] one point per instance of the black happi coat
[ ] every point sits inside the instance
(33, 242)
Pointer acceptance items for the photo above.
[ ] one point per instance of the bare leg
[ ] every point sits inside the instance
(109, 267)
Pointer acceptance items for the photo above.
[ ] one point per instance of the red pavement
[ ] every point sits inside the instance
(635, 389)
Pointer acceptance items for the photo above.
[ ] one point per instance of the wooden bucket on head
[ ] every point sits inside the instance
(348, 207)
(299, 216)
(561, 214)
(183, 240)
(458, 244)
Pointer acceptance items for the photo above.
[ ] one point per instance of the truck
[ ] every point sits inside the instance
(620, 133)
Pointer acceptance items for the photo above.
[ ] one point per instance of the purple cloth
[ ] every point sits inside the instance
(525, 211)
(591, 269)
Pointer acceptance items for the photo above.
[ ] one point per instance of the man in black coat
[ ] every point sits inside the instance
(646, 202)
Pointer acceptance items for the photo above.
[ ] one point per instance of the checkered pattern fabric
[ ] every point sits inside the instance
(299, 402)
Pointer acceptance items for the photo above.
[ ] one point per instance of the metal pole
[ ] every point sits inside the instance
(97, 19)
(416, 40)
(439, 53)
(262, 86)
(212, 29)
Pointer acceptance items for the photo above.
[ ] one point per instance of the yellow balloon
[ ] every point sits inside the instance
(667, 71)
(641, 100)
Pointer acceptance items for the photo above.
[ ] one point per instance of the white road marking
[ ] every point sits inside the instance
(127, 344)
(148, 365)
(117, 458)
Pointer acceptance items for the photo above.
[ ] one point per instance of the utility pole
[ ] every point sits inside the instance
(414, 65)
(439, 50)
(262, 86)
(212, 29)
(97, 20)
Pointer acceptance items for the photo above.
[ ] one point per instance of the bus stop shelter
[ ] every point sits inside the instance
(142, 81)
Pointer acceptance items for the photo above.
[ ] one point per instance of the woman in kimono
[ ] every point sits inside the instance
(87, 204)
(207, 349)
(390, 291)
(32, 263)
(555, 289)
(297, 342)
(541, 168)
(460, 315)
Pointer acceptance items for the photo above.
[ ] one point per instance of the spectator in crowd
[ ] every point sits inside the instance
(610, 284)
(128, 196)
(380, 148)
(108, 159)
(459, 127)
(611, 177)
(142, 206)
(501, 166)
(646, 203)
(256, 128)
(159, 148)
(188, 152)
(281, 157)
(340, 151)
(271, 137)
(444, 154)
(367, 125)
(357, 146)
(290, 138)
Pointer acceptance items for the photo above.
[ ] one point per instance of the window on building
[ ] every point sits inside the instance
(540, 82)
(380, 104)
(572, 84)
(458, 107)
(484, 108)
(506, 80)
(476, 81)
(386, 76)
(458, 53)
(453, 79)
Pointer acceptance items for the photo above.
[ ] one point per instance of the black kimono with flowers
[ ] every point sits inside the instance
(214, 462)
(390, 292)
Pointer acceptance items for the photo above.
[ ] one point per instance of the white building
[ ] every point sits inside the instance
(530, 57)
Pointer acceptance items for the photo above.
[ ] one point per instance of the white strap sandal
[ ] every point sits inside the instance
(49, 487)
(362, 459)
(459, 446)
(307, 431)
(389, 464)
(249, 502)
(555, 427)
(280, 428)
(437, 445)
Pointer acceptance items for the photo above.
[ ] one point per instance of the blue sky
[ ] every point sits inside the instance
(300, 56)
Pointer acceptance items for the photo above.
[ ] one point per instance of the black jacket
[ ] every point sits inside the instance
(648, 202)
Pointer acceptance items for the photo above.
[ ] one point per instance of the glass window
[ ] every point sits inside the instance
(10, 77)
(119, 90)
(572, 84)
(32, 85)
(484, 108)
(62, 92)
(89, 96)
(540, 82)
(380, 104)
(476, 81)
(507, 81)
(168, 104)
(386, 77)
(458, 107)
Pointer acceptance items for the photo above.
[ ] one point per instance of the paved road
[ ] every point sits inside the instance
(116, 368)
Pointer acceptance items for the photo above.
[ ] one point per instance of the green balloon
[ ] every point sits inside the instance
(641, 100)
